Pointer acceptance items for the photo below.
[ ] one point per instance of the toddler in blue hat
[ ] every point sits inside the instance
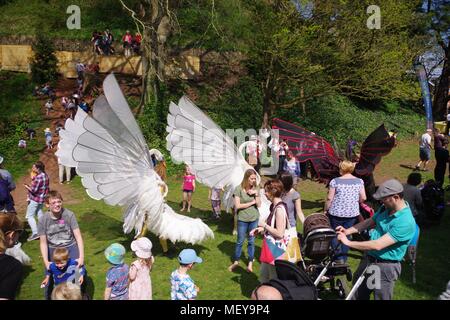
(183, 287)
(117, 275)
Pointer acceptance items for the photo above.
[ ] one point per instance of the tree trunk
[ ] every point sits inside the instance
(156, 19)
(302, 95)
(267, 107)
(441, 97)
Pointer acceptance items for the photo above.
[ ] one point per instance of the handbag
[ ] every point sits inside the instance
(287, 248)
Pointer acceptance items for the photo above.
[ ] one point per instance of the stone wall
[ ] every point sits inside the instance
(16, 52)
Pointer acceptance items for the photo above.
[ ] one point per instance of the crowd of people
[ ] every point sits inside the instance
(61, 243)
(103, 43)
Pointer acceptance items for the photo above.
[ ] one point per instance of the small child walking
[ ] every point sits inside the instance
(63, 269)
(214, 196)
(117, 275)
(48, 106)
(183, 287)
(140, 287)
(48, 138)
(188, 188)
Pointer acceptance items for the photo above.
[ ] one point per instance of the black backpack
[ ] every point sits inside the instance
(433, 200)
(293, 283)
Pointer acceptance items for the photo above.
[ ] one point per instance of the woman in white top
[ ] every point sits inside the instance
(344, 196)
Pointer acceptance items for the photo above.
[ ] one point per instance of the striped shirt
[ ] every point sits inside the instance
(39, 188)
(117, 280)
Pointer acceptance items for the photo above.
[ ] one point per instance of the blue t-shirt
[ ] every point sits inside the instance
(67, 274)
(117, 280)
(400, 226)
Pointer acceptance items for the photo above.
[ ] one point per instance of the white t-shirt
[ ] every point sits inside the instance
(425, 141)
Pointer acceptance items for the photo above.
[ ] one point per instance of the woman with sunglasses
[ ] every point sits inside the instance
(11, 269)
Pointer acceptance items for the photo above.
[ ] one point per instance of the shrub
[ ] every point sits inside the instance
(44, 66)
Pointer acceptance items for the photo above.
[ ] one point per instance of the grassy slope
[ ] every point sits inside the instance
(34, 16)
(19, 109)
(101, 225)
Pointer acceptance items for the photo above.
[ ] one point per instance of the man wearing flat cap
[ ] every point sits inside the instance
(393, 228)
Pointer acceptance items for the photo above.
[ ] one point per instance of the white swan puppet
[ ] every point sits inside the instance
(194, 139)
(110, 154)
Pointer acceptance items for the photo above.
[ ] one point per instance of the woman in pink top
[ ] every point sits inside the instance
(188, 188)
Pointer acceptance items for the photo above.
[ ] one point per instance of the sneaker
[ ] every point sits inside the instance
(33, 237)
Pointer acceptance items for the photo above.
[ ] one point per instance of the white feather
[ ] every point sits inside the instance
(196, 140)
(109, 152)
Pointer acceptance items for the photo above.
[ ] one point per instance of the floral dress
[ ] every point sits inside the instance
(141, 287)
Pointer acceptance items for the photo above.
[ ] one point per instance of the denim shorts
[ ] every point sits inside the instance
(425, 154)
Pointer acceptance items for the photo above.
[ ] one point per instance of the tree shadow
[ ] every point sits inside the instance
(27, 270)
(228, 248)
(100, 226)
(318, 204)
(225, 223)
(431, 264)
(247, 280)
(407, 166)
(89, 288)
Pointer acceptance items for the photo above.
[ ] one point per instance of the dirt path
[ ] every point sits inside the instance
(64, 87)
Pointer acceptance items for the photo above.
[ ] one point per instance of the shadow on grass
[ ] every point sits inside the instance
(318, 204)
(247, 280)
(228, 248)
(432, 261)
(89, 287)
(27, 270)
(408, 166)
(100, 226)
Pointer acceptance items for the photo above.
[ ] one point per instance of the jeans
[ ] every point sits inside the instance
(341, 252)
(61, 169)
(32, 209)
(243, 229)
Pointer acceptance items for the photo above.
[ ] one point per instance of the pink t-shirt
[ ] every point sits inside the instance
(188, 183)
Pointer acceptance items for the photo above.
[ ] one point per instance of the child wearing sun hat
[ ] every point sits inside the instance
(140, 282)
(117, 275)
(183, 287)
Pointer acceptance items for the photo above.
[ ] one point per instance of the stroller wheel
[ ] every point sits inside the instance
(349, 275)
(342, 288)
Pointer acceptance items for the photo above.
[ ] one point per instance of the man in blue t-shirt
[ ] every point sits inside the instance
(393, 228)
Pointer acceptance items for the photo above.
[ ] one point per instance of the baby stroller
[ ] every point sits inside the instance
(316, 246)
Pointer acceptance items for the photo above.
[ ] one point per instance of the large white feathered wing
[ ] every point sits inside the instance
(196, 140)
(110, 154)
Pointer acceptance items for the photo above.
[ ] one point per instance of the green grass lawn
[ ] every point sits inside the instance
(101, 225)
